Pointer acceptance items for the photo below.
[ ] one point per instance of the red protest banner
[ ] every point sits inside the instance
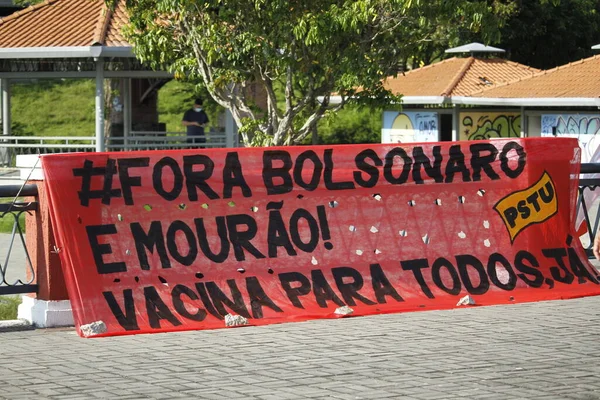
(172, 240)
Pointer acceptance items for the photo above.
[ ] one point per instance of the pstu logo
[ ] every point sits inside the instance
(528, 206)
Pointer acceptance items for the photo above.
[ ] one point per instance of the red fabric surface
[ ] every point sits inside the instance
(173, 240)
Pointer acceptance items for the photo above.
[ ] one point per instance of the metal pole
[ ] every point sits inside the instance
(100, 104)
(126, 111)
(6, 107)
(523, 123)
(1, 102)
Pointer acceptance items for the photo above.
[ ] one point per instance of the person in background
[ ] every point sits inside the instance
(195, 119)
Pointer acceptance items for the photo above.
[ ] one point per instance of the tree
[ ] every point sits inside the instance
(552, 33)
(353, 124)
(297, 52)
(539, 33)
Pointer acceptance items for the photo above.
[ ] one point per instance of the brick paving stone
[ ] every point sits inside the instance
(545, 350)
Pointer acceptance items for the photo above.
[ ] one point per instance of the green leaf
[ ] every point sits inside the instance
(312, 48)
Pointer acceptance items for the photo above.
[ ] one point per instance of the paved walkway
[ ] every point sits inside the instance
(16, 264)
(10, 176)
(546, 350)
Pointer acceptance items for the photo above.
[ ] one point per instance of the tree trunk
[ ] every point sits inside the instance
(113, 101)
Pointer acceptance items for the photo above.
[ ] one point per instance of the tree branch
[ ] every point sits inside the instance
(311, 121)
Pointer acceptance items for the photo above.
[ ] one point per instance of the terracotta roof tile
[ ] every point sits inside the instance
(457, 77)
(58, 23)
(114, 35)
(431, 80)
(488, 72)
(102, 23)
(576, 79)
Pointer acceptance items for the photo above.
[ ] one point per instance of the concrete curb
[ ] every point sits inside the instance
(15, 325)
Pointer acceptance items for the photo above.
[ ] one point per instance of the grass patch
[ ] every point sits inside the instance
(176, 97)
(54, 107)
(7, 222)
(66, 107)
(8, 307)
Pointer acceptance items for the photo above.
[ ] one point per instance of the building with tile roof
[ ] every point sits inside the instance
(482, 98)
(459, 98)
(429, 95)
(456, 77)
(573, 84)
(562, 101)
(44, 25)
(84, 39)
(80, 39)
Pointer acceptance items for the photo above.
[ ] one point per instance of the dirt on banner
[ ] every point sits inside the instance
(197, 239)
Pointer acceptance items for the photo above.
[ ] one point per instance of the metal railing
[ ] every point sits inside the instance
(152, 140)
(11, 146)
(18, 278)
(588, 203)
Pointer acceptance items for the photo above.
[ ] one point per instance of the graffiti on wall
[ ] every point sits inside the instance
(409, 127)
(581, 127)
(584, 128)
(570, 124)
(479, 125)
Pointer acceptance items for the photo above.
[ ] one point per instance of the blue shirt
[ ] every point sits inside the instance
(195, 116)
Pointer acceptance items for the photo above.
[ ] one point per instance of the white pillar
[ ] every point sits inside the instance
(100, 104)
(455, 123)
(230, 130)
(5, 106)
(523, 123)
(126, 111)
(1, 102)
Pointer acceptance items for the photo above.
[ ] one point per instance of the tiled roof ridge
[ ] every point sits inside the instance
(519, 65)
(537, 74)
(432, 65)
(552, 70)
(26, 11)
(102, 24)
(459, 75)
(503, 84)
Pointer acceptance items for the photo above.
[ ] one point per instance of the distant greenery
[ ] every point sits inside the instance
(53, 107)
(66, 108)
(353, 124)
(240, 48)
(173, 100)
(546, 34)
(8, 307)
(26, 3)
(56, 107)
(176, 97)
(6, 223)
